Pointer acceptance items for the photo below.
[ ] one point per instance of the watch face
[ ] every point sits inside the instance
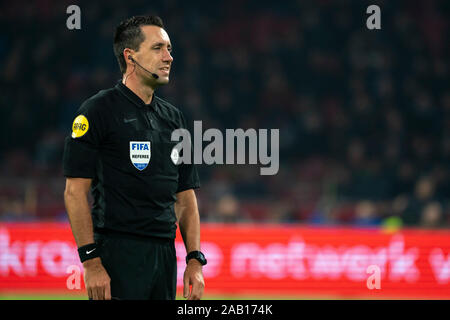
(198, 256)
(201, 258)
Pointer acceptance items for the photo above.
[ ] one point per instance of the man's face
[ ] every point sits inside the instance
(154, 55)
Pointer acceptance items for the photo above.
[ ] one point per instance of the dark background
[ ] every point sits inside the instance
(364, 115)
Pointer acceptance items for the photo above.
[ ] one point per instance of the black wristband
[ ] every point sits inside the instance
(88, 251)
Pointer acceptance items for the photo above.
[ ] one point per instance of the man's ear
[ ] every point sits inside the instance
(126, 54)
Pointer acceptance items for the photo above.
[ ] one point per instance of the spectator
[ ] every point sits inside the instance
(432, 216)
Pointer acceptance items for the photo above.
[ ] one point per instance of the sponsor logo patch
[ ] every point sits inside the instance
(140, 154)
(175, 156)
(80, 126)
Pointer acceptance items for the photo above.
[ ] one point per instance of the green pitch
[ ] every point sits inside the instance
(179, 297)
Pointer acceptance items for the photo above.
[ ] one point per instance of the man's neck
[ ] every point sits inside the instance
(141, 90)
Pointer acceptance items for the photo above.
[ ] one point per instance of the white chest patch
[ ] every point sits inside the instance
(140, 154)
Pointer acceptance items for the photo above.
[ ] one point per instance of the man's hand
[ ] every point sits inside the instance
(193, 276)
(97, 280)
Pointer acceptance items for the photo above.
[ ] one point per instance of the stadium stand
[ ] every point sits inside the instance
(364, 116)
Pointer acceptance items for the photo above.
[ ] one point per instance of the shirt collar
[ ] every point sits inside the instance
(134, 97)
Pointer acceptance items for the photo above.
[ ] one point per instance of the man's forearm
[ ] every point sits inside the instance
(190, 229)
(189, 220)
(96, 278)
(80, 218)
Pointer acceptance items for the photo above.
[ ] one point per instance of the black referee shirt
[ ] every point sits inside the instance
(124, 146)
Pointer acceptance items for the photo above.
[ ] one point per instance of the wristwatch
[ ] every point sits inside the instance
(196, 255)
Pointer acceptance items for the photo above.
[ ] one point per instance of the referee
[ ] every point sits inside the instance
(120, 148)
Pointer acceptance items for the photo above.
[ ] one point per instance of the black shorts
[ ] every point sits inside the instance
(139, 268)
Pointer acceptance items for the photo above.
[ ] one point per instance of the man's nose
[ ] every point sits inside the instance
(167, 57)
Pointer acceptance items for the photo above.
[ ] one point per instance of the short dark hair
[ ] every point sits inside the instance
(129, 35)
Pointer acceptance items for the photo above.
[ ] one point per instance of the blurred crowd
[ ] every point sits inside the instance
(364, 115)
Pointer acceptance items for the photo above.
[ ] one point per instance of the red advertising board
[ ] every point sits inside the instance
(259, 259)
